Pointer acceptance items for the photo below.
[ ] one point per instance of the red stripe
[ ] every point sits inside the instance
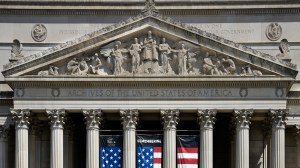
(157, 160)
(187, 150)
(187, 161)
(157, 149)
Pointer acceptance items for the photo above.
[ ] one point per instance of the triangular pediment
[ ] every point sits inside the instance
(114, 51)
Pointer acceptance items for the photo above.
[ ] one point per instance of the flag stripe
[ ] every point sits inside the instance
(157, 155)
(157, 149)
(157, 160)
(187, 150)
(187, 161)
(188, 155)
(157, 166)
(187, 166)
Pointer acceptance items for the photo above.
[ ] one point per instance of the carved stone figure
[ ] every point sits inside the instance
(165, 50)
(284, 49)
(96, 66)
(134, 51)
(39, 32)
(246, 70)
(53, 70)
(149, 8)
(149, 54)
(208, 66)
(73, 66)
(83, 67)
(182, 56)
(273, 31)
(117, 53)
(229, 65)
(16, 50)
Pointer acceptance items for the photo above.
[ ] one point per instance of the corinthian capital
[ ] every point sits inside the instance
(278, 117)
(129, 118)
(243, 117)
(56, 117)
(21, 117)
(92, 118)
(206, 118)
(170, 118)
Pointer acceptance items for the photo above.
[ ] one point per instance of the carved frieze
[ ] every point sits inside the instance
(170, 118)
(56, 117)
(129, 118)
(21, 117)
(206, 118)
(92, 118)
(150, 54)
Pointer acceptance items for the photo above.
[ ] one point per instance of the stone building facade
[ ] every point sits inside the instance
(74, 71)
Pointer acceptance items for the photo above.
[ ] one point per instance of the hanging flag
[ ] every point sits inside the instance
(149, 151)
(111, 151)
(187, 151)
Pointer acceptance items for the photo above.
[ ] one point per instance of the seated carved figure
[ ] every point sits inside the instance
(208, 66)
(53, 70)
(73, 66)
(229, 65)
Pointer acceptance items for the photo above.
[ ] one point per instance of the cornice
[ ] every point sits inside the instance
(152, 82)
(104, 10)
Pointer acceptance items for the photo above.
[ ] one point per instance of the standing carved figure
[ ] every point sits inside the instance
(117, 53)
(165, 50)
(149, 54)
(182, 55)
(96, 65)
(134, 51)
(73, 66)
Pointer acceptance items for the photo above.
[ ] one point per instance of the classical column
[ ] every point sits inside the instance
(3, 146)
(92, 118)
(242, 118)
(206, 120)
(56, 118)
(129, 120)
(278, 118)
(170, 120)
(298, 144)
(21, 118)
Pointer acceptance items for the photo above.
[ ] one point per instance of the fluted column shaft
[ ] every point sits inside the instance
(278, 118)
(242, 118)
(170, 120)
(3, 146)
(206, 120)
(56, 118)
(21, 118)
(92, 118)
(129, 120)
(298, 144)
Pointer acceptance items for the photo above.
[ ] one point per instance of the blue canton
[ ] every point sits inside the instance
(111, 157)
(145, 157)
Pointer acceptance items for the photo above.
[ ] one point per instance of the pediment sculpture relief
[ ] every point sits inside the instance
(151, 55)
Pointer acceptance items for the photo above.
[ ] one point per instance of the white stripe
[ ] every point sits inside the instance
(157, 155)
(188, 155)
(187, 166)
(156, 165)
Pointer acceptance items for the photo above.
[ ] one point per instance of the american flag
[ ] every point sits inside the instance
(187, 151)
(111, 152)
(149, 151)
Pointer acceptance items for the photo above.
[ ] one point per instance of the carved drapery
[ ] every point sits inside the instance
(93, 118)
(170, 118)
(129, 118)
(56, 117)
(206, 118)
